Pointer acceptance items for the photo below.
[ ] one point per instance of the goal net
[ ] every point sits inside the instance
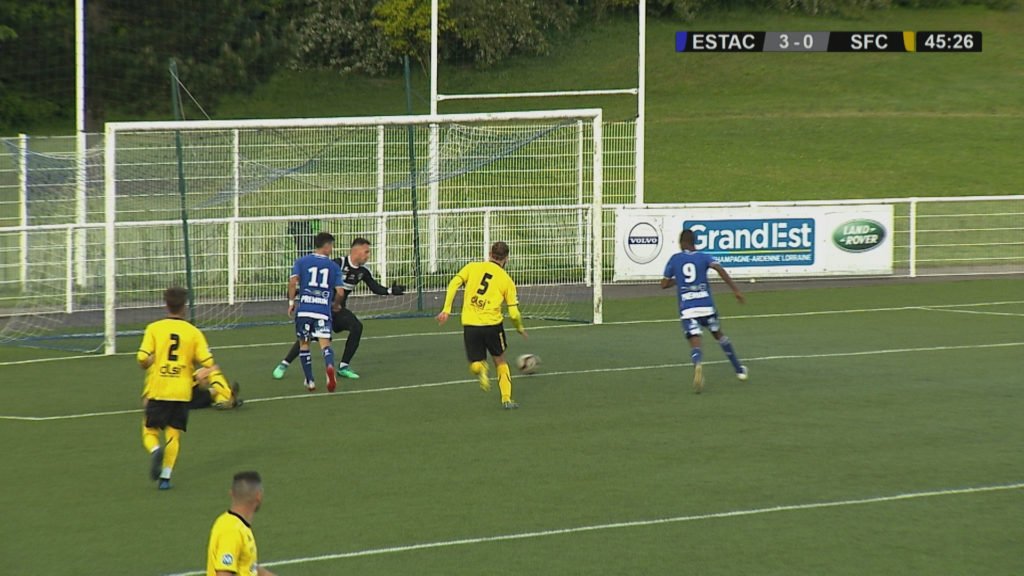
(226, 206)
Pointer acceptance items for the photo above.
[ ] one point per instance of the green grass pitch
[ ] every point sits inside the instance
(857, 396)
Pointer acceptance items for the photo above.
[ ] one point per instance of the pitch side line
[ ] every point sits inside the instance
(638, 524)
(546, 375)
(561, 326)
(983, 312)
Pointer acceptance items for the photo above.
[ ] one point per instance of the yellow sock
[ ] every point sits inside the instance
(171, 450)
(505, 382)
(150, 438)
(219, 388)
(480, 369)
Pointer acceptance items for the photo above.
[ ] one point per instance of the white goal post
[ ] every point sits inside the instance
(221, 198)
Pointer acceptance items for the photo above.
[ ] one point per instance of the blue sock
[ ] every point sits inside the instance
(329, 356)
(307, 364)
(696, 356)
(731, 353)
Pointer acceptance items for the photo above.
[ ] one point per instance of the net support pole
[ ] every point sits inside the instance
(69, 270)
(109, 244)
(411, 137)
(81, 146)
(641, 95)
(23, 210)
(597, 220)
(912, 241)
(182, 193)
(236, 190)
(487, 236)
(434, 188)
(382, 221)
(580, 214)
(433, 151)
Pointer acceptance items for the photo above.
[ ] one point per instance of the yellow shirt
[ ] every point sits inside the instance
(487, 286)
(232, 546)
(177, 346)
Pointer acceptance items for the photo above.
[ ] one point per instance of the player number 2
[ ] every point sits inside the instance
(323, 273)
(172, 354)
(485, 283)
(689, 272)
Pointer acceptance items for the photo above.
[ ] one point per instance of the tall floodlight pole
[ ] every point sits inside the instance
(433, 56)
(433, 148)
(81, 146)
(641, 93)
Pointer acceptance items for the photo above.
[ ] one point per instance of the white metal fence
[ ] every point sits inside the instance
(933, 236)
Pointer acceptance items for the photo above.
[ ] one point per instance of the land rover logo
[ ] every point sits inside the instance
(858, 235)
(643, 243)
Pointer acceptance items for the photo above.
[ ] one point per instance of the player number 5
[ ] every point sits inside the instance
(485, 283)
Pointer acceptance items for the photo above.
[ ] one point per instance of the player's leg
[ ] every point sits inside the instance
(152, 422)
(496, 346)
(282, 366)
(323, 336)
(224, 396)
(303, 334)
(476, 354)
(691, 328)
(727, 347)
(177, 424)
(344, 320)
(201, 398)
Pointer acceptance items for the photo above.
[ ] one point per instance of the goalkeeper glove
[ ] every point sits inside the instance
(396, 289)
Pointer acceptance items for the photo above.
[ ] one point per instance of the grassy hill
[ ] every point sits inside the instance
(756, 126)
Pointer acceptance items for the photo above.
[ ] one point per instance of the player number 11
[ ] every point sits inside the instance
(324, 272)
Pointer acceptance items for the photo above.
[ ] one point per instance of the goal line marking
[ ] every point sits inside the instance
(561, 326)
(545, 375)
(638, 524)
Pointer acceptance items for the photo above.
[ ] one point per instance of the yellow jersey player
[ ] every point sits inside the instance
(170, 350)
(232, 548)
(487, 287)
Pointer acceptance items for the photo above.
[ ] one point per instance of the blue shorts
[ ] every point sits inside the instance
(691, 326)
(307, 329)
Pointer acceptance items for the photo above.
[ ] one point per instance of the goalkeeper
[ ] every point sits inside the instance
(353, 271)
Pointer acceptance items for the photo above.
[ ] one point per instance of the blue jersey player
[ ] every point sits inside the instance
(314, 291)
(688, 271)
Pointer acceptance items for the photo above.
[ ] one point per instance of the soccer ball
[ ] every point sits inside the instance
(528, 363)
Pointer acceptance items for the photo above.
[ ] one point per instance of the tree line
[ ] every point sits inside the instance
(230, 46)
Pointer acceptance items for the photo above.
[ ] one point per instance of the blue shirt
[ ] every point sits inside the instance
(319, 276)
(690, 271)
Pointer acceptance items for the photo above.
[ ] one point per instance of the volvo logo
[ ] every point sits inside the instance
(643, 243)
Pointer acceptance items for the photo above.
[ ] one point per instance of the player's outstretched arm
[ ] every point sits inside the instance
(449, 298)
(293, 287)
(339, 297)
(377, 288)
(728, 281)
(517, 319)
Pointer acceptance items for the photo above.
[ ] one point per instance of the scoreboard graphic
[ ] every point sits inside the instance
(874, 41)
